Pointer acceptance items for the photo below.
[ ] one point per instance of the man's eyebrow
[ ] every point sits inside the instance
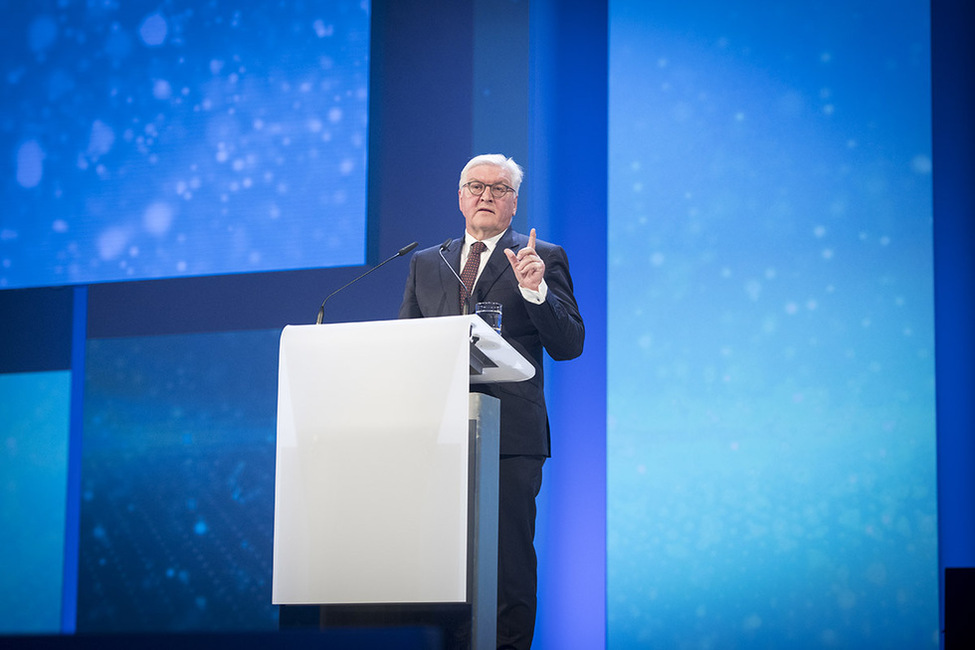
(498, 182)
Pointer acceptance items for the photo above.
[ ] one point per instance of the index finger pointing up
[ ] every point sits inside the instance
(531, 239)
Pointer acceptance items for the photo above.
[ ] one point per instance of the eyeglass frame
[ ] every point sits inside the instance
(507, 188)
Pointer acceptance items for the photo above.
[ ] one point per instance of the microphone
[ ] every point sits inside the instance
(467, 296)
(401, 252)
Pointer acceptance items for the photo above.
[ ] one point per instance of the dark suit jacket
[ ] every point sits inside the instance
(556, 326)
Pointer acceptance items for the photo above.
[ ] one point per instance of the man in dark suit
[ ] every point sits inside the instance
(530, 278)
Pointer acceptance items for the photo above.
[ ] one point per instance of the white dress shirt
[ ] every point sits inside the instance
(537, 297)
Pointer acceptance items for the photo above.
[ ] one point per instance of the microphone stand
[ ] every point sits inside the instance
(403, 251)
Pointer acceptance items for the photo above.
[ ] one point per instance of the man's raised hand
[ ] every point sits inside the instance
(528, 266)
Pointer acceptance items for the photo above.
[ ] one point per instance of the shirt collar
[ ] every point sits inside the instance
(489, 243)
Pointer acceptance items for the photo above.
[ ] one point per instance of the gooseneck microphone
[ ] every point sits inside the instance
(401, 252)
(467, 296)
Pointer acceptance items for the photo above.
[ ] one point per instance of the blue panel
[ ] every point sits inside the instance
(500, 91)
(79, 331)
(35, 328)
(177, 484)
(157, 140)
(953, 96)
(771, 349)
(33, 464)
(567, 175)
(421, 120)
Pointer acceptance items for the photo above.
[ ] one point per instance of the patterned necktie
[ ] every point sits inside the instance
(469, 274)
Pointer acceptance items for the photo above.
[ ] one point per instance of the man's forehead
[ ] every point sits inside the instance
(487, 172)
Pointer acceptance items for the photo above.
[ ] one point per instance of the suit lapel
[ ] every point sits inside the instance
(448, 281)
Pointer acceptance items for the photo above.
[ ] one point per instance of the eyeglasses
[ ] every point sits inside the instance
(477, 188)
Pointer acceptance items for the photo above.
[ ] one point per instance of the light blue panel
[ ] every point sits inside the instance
(771, 405)
(33, 466)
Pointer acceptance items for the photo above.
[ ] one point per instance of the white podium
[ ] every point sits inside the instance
(386, 471)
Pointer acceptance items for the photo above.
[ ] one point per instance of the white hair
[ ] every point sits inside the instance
(508, 165)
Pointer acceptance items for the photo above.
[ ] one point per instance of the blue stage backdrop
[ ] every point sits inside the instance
(177, 490)
(161, 139)
(771, 353)
(149, 140)
(769, 380)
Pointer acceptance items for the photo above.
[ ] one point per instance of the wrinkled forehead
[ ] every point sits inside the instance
(488, 174)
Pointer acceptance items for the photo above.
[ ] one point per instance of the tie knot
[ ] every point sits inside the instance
(478, 247)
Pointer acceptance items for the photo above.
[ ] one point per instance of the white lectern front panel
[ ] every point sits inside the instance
(371, 479)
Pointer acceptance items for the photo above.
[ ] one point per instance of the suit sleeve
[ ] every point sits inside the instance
(558, 320)
(410, 308)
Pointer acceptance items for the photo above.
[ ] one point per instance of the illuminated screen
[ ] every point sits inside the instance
(147, 140)
(771, 434)
(34, 467)
(177, 489)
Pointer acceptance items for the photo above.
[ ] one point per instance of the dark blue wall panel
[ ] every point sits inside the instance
(953, 105)
(35, 328)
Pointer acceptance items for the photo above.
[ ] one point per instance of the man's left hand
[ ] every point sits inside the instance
(528, 266)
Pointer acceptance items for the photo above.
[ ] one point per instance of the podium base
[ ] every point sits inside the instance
(444, 626)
